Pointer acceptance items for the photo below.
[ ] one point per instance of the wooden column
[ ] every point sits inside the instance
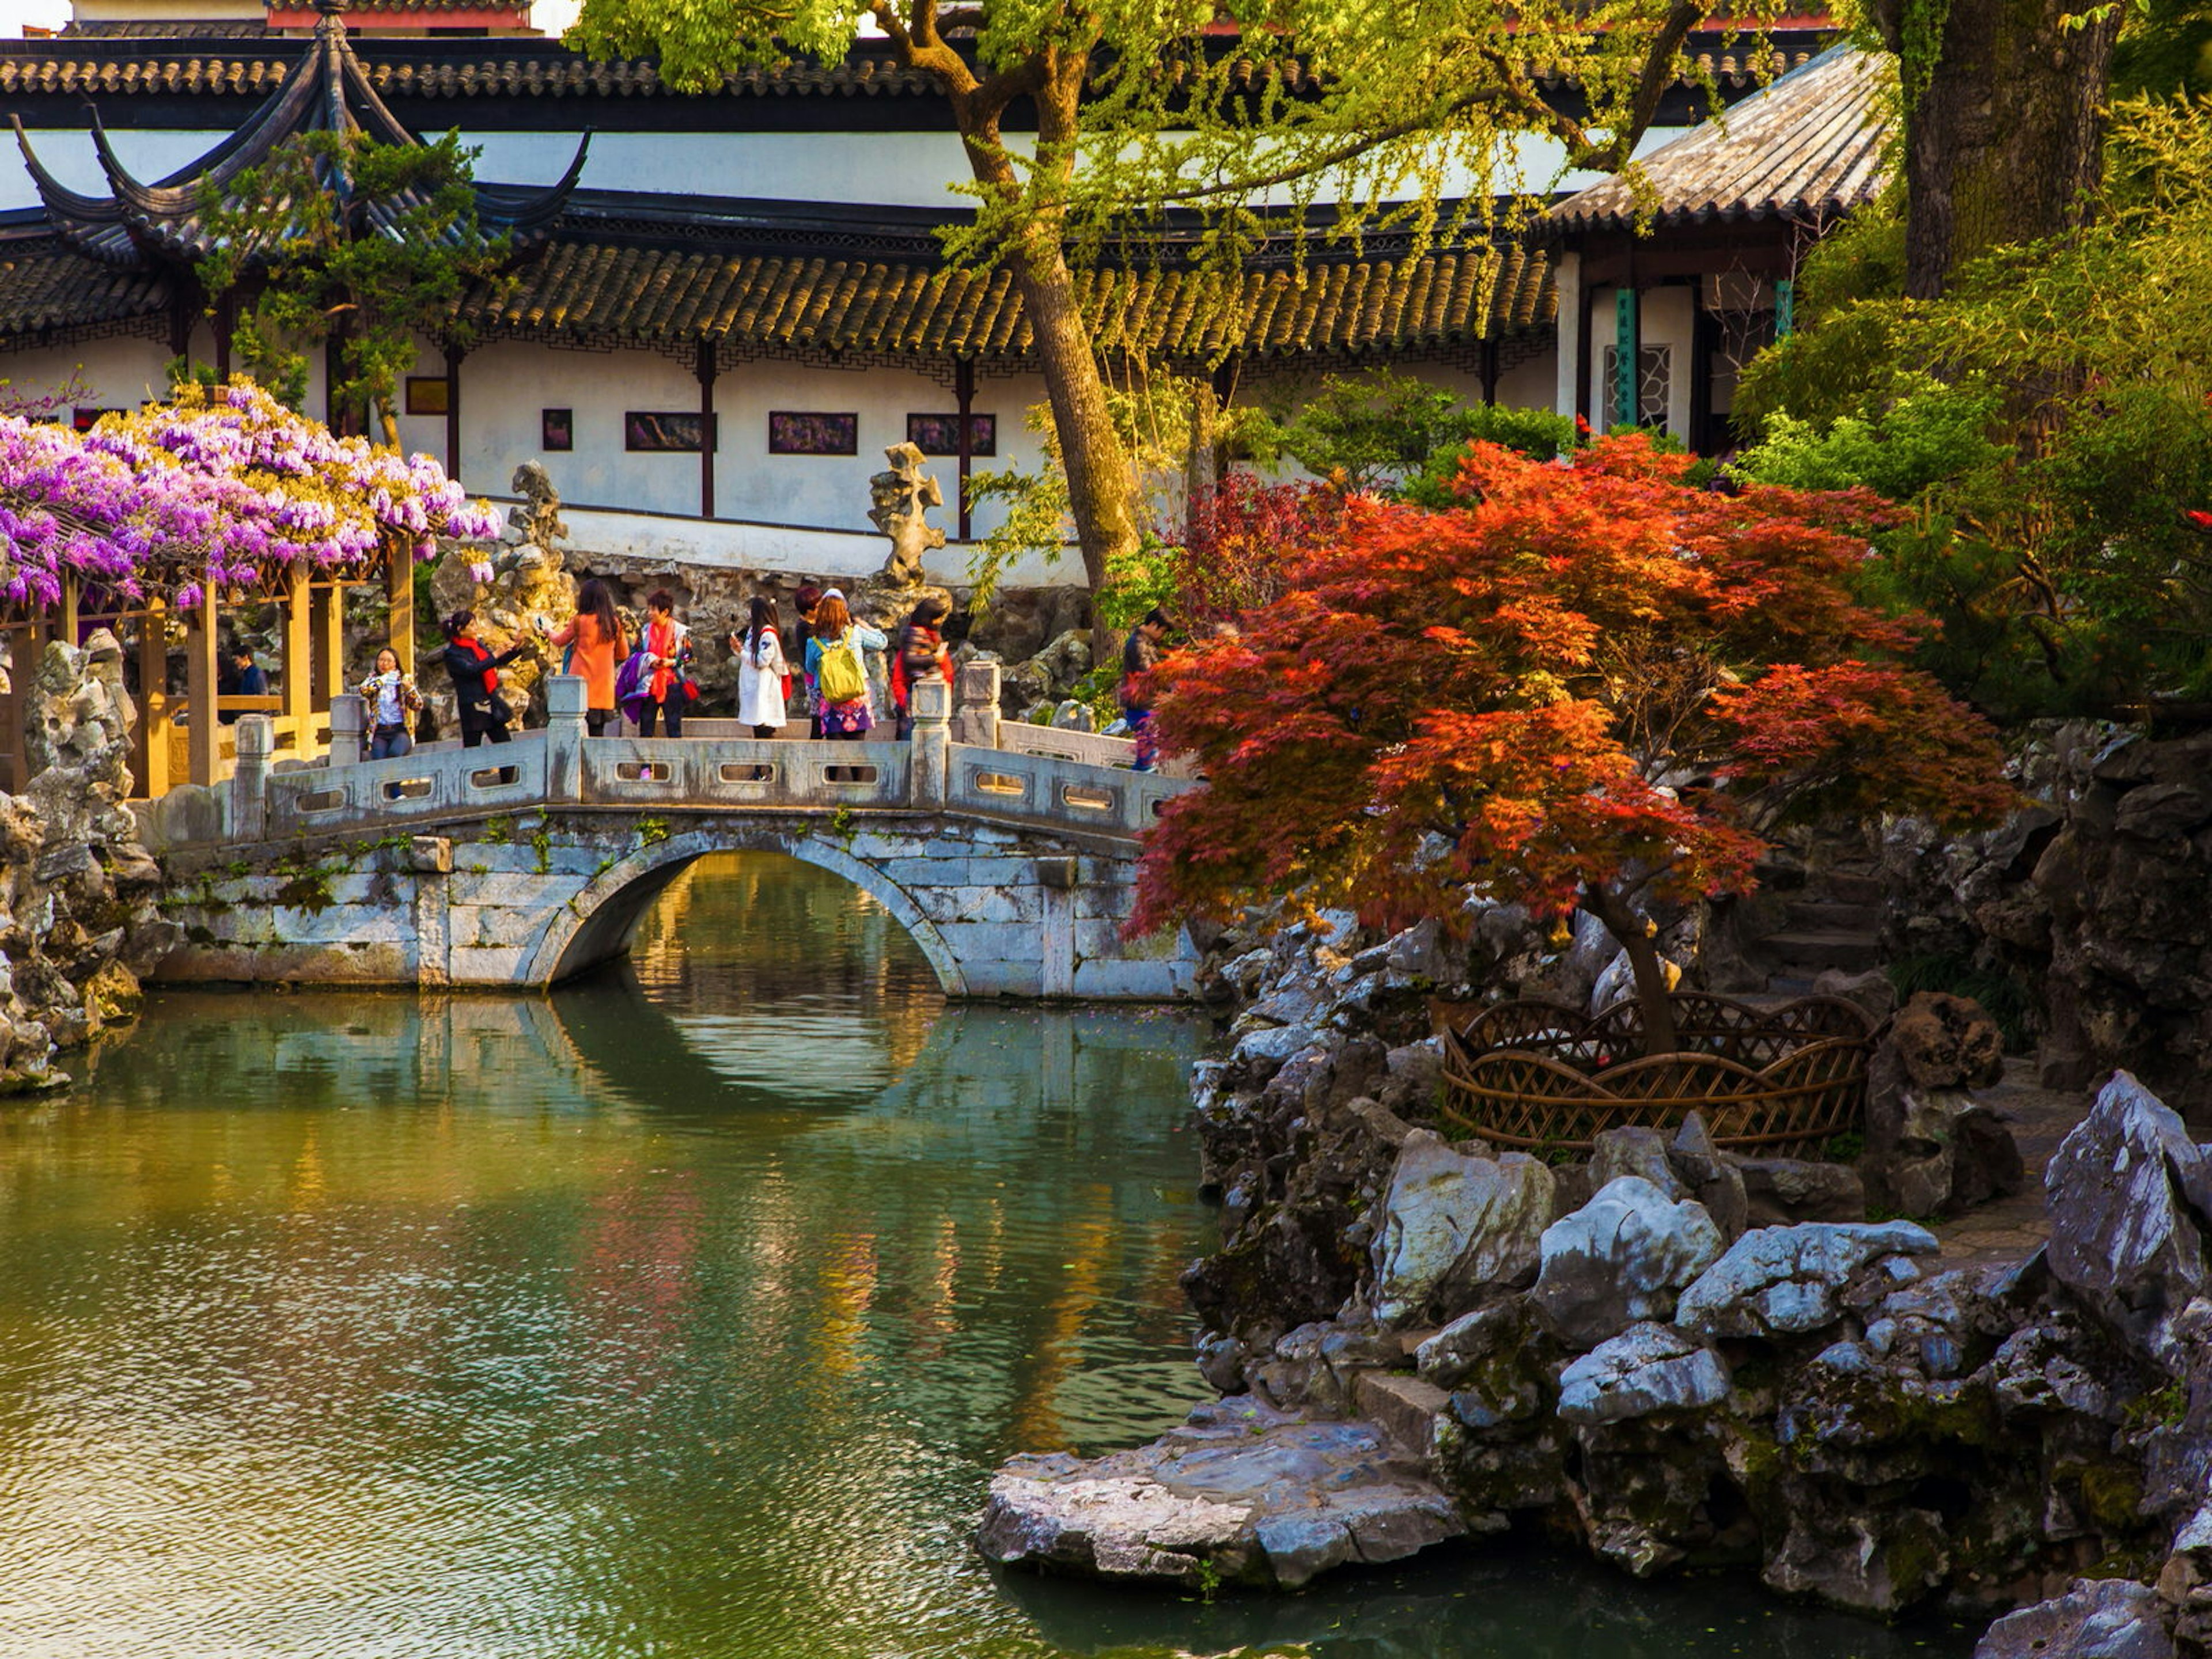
(1490, 371)
(21, 663)
(299, 654)
(706, 434)
(201, 644)
(453, 355)
(65, 628)
(963, 391)
(399, 592)
(329, 632)
(150, 758)
(226, 323)
(1582, 351)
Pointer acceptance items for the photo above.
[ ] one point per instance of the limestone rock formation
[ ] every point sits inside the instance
(1931, 1148)
(903, 494)
(1647, 1369)
(2131, 1196)
(2098, 1619)
(1787, 1281)
(1452, 1222)
(78, 916)
(1621, 1259)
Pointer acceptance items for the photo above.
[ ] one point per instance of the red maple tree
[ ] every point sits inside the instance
(1585, 688)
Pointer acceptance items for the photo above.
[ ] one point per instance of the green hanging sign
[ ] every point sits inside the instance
(1785, 307)
(1624, 357)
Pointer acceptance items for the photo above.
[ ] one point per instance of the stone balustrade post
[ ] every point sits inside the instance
(975, 716)
(933, 744)
(349, 727)
(249, 781)
(565, 706)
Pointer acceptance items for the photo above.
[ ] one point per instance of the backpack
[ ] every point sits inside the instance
(838, 674)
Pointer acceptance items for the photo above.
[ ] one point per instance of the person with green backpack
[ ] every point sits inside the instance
(838, 670)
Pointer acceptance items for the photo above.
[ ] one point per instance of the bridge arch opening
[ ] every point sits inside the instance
(601, 922)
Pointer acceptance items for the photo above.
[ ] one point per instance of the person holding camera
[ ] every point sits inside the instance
(474, 671)
(393, 703)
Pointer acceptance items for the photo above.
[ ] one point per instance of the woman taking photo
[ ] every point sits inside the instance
(596, 635)
(474, 671)
(762, 674)
(393, 702)
(838, 670)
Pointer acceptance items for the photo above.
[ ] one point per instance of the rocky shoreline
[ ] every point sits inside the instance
(1670, 1356)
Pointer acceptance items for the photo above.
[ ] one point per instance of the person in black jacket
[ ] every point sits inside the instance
(484, 713)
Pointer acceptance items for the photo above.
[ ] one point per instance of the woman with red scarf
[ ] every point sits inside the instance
(474, 671)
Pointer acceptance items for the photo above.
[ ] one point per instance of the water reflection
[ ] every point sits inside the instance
(684, 1315)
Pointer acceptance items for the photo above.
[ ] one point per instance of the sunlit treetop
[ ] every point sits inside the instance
(1252, 111)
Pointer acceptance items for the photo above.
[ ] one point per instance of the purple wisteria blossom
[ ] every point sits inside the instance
(222, 486)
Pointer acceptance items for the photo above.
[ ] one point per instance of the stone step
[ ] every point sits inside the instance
(1810, 953)
(1850, 888)
(1404, 1407)
(1813, 915)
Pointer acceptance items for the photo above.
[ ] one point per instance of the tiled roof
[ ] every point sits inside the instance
(1810, 146)
(44, 286)
(650, 296)
(661, 295)
(502, 68)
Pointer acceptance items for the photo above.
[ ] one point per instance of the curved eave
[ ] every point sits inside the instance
(68, 206)
(528, 216)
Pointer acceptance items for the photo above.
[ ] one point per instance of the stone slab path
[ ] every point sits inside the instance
(2013, 1228)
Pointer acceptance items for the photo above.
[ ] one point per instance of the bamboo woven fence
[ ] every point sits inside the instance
(1542, 1076)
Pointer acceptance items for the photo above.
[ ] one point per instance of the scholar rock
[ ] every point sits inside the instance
(1453, 1224)
(1623, 1257)
(1787, 1281)
(1646, 1368)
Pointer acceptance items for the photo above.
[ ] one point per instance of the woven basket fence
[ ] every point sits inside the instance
(1541, 1076)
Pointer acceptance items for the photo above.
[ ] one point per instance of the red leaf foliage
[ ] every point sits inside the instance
(1245, 538)
(1582, 678)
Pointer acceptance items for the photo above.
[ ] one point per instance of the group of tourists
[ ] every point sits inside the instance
(820, 669)
(652, 681)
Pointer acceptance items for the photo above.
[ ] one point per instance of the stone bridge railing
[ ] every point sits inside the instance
(1031, 776)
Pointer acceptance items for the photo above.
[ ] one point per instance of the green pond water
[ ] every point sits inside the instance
(683, 1314)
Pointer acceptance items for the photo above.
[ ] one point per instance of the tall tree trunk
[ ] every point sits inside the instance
(2004, 144)
(1100, 485)
(1652, 994)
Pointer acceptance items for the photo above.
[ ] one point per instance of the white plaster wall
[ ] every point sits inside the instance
(123, 371)
(506, 385)
(1665, 318)
(911, 168)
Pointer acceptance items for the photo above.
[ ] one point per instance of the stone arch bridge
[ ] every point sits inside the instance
(522, 864)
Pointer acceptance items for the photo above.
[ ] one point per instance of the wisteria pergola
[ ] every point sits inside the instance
(218, 499)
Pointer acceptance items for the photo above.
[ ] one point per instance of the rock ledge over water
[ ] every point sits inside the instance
(1240, 1493)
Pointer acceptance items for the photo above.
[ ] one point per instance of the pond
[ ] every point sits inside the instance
(683, 1313)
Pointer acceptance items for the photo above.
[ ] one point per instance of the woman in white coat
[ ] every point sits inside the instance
(763, 676)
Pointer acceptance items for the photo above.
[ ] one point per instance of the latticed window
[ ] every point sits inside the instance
(1655, 365)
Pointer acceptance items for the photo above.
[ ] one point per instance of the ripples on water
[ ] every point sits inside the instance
(684, 1315)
